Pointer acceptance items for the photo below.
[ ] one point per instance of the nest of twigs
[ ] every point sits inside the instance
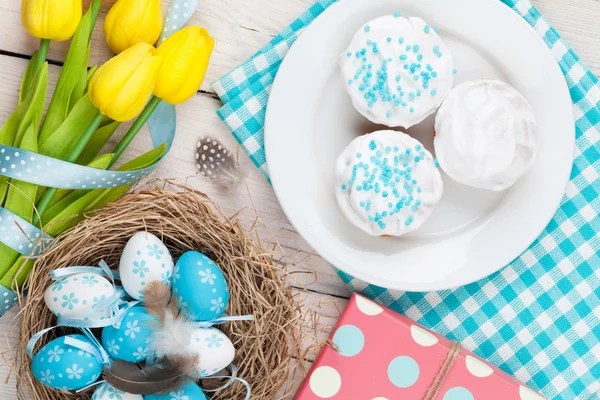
(185, 220)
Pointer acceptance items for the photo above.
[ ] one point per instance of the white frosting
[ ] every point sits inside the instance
(485, 135)
(398, 49)
(386, 183)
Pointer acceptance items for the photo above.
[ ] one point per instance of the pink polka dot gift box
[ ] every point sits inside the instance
(378, 354)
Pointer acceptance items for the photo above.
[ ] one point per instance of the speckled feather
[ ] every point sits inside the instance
(217, 163)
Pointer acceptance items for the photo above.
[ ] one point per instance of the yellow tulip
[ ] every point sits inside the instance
(122, 86)
(130, 22)
(51, 19)
(186, 54)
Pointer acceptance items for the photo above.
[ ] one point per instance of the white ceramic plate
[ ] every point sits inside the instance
(472, 233)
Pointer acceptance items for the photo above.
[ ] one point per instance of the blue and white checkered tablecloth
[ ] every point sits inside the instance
(538, 318)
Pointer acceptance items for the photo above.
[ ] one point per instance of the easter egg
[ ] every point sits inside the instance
(129, 342)
(75, 295)
(107, 392)
(145, 259)
(200, 286)
(215, 350)
(189, 391)
(61, 366)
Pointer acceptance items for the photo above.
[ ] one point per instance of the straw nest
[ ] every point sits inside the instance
(184, 219)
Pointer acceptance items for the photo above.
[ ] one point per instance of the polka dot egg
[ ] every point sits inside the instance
(61, 366)
(145, 259)
(215, 350)
(189, 391)
(107, 392)
(76, 295)
(129, 340)
(200, 286)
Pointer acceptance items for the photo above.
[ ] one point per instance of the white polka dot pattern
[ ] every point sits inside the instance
(180, 11)
(8, 299)
(19, 234)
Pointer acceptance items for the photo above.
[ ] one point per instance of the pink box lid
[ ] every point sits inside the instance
(385, 356)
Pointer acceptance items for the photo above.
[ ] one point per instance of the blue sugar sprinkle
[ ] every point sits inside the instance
(436, 30)
(397, 15)
(350, 82)
(398, 78)
(454, 71)
(349, 54)
(420, 57)
(396, 148)
(362, 203)
(414, 181)
(405, 66)
(418, 92)
(433, 92)
(416, 77)
(370, 218)
(418, 147)
(419, 190)
(400, 40)
(369, 42)
(370, 104)
(362, 88)
(411, 96)
(429, 68)
(417, 159)
(388, 114)
(425, 85)
(373, 146)
(408, 48)
(397, 103)
(388, 149)
(390, 205)
(434, 74)
(389, 40)
(415, 48)
(412, 109)
(427, 28)
(436, 163)
(403, 57)
(367, 28)
(344, 187)
(375, 51)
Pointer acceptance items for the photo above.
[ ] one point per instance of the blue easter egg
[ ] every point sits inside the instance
(200, 286)
(61, 366)
(129, 342)
(189, 391)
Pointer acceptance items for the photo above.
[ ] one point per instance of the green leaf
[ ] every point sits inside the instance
(25, 82)
(20, 199)
(100, 162)
(90, 75)
(71, 82)
(28, 111)
(60, 143)
(97, 142)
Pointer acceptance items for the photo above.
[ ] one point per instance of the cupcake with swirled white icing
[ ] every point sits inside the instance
(485, 135)
(387, 183)
(397, 70)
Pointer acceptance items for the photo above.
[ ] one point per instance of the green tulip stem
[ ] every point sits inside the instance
(46, 199)
(41, 55)
(135, 128)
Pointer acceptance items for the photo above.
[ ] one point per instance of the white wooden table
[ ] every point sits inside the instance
(240, 27)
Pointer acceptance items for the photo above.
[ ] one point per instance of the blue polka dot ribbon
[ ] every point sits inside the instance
(47, 171)
(20, 235)
(8, 299)
(180, 11)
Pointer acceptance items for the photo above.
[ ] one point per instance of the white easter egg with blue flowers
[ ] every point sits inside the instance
(75, 295)
(129, 340)
(189, 391)
(145, 259)
(200, 287)
(215, 350)
(61, 366)
(107, 392)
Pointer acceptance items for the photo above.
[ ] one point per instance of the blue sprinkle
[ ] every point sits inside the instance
(433, 92)
(372, 145)
(415, 48)
(416, 77)
(389, 40)
(417, 159)
(369, 42)
(436, 163)
(370, 218)
(362, 203)
(420, 57)
(400, 40)
(418, 93)
(454, 72)
(349, 54)
(427, 28)
(350, 82)
(370, 104)
(384, 194)
(390, 205)
(395, 148)
(403, 57)
(397, 103)
(398, 78)
(388, 149)
(358, 155)
(405, 66)
(419, 190)
(412, 109)
(407, 48)
(414, 182)
(418, 147)
(429, 68)
(367, 28)
(344, 187)
(388, 114)
(362, 88)
(411, 96)
(375, 51)
(397, 15)
(434, 74)
(436, 30)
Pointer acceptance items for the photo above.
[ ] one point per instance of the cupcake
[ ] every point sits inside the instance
(397, 70)
(485, 135)
(386, 183)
